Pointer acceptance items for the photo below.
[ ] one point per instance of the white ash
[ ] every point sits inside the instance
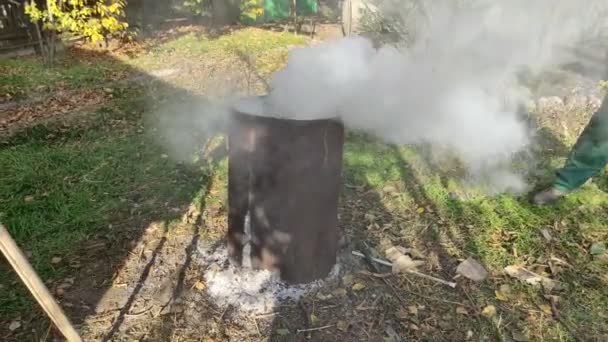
(247, 290)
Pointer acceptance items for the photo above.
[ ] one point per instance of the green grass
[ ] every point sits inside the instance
(98, 179)
(499, 232)
(22, 77)
(197, 48)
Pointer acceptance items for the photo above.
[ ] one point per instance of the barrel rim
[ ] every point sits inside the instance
(242, 116)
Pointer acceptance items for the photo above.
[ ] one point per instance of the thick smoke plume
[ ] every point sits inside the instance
(456, 86)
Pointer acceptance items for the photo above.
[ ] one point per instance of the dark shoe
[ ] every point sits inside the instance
(548, 196)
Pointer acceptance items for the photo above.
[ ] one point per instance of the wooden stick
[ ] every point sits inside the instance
(389, 264)
(29, 277)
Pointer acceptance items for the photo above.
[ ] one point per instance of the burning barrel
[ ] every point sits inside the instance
(284, 182)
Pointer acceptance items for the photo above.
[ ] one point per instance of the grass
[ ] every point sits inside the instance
(21, 78)
(498, 232)
(89, 181)
(61, 187)
(197, 47)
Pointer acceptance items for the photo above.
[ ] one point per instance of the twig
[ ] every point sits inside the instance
(386, 263)
(267, 315)
(255, 321)
(314, 329)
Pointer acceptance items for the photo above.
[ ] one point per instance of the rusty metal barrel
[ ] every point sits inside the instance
(284, 183)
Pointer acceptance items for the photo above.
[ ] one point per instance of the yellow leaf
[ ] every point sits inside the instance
(358, 287)
(546, 309)
(342, 326)
(504, 293)
(200, 285)
(420, 210)
(489, 311)
(314, 320)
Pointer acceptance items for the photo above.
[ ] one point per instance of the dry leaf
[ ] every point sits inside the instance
(489, 311)
(358, 287)
(282, 332)
(462, 310)
(199, 285)
(402, 263)
(340, 292)
(402, 314)
(321, 296)
(342, 326)
(546, 309)
(413, 309)
(530, 277)
(420, 210)
(347, 279)
(56, 260)
(28, 199)
(504, 293)
(472, 269)
(14, 325)
(314, 320)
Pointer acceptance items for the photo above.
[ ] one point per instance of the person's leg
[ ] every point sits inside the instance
(588, 158)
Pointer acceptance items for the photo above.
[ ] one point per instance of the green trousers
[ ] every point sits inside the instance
(590, 154)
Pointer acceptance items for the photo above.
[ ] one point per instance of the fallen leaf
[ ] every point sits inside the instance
(504, 293)
(489, 311)
(28, 199)
(420, 210)
(342, 326)
(530, 277)
(472, 269)
(14, 325)
(164, 156)
(546, 309)
(340, 292)
(321, 296)
(56, 260)
(462, 310)
(598, 248)
(199, 285)
(314, 320)
(401, 262)
(402, 314)
(358, 287)
(469, 334)
(519, 336)
(347, 279)
(413, 309)
(282, 332)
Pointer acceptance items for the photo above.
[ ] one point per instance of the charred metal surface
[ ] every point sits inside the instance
(286, 175)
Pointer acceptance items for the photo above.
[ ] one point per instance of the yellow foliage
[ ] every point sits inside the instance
(94, 21)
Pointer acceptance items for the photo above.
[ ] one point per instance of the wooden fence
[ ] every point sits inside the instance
(16, 30)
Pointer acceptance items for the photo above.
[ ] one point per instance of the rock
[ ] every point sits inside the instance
(472, 269)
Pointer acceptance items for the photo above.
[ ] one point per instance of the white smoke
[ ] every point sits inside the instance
(456, 86)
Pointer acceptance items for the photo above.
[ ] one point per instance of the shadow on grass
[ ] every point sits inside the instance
(78, 195)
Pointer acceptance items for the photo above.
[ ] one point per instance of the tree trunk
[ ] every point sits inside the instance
(225, 12)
